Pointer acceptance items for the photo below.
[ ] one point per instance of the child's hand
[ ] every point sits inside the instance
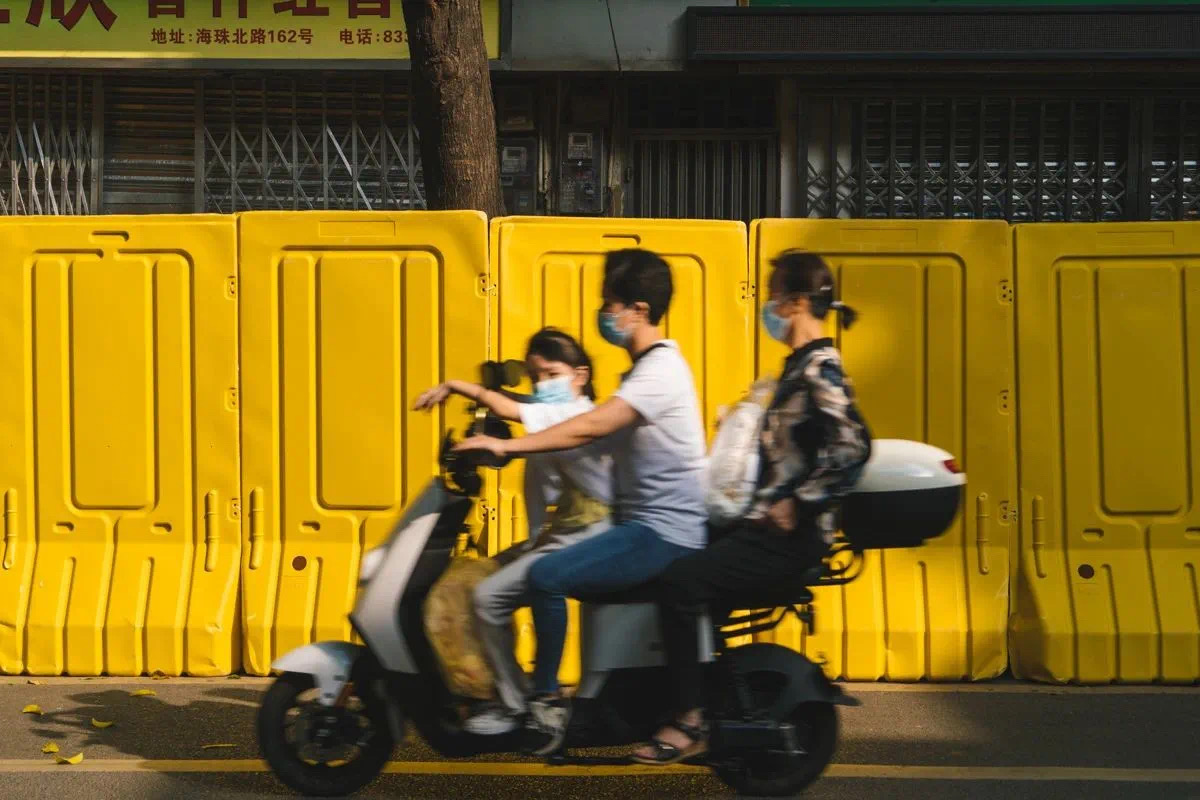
(432, 397)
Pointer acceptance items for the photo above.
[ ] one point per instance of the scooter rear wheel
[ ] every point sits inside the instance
(772, 775)
(358, 736)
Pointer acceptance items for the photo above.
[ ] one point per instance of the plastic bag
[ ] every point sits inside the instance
(733, 460)
(450, 626)
(575, 511)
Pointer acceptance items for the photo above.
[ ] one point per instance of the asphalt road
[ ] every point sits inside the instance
(1000, 740)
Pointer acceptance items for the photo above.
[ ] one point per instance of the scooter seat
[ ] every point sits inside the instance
(793, 593)
(645, 593)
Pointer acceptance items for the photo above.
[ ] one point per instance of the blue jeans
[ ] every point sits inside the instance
(625, 556)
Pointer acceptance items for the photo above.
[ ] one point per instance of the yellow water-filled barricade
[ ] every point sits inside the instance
(119, 447)
(206, 420)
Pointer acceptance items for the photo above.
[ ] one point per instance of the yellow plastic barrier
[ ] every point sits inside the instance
(119, 407)
(345, 317)
(931, 357)
(16, 450)
(549, 272)
(1109, 356)
(126, 523)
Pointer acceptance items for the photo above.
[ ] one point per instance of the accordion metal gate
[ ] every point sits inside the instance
(308, 143)
(48, 143)
(1040, 159)
(178, 144)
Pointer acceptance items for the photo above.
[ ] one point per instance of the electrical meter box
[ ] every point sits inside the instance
(582, 168)
(518, 173)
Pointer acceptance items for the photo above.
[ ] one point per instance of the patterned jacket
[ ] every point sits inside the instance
(814, 441)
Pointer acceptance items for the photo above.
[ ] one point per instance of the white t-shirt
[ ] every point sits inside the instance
(659, 463)
(588, 468)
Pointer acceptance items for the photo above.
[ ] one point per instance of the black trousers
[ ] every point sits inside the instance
(748, 559)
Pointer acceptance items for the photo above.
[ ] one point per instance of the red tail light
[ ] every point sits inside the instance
(951, 465)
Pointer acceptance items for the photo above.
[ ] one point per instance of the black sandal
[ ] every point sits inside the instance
(666, 754)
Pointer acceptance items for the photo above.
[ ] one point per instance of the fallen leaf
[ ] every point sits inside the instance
(50, 747)
(32, 708)
(32, 682)
(233, 677)
(75, 759)
(341, 762)
(143, 693)
(158, 675)
(98, 724)
(216, 746)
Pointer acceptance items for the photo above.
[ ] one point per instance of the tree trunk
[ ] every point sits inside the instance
(453, 106)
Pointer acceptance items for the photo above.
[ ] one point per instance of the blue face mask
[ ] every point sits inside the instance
(607, 323)
(553, 391)
(777, 327)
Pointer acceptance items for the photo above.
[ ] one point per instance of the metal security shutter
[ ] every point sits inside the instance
(149, 145)
(312, 142)
(1173, 171)
(701, 176)
(702, 148)
(1022, 160)
(47, 144)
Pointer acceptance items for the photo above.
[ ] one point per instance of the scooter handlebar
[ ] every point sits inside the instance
(461, 470)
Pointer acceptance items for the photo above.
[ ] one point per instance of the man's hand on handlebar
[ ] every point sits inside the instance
(483, 444)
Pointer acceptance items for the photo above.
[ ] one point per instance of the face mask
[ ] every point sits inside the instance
(607, 323)
(777, 327)
(553, 391)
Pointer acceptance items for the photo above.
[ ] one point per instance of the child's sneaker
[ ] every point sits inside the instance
(492, 721)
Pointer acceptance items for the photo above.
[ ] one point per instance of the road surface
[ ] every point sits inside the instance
(921, 742)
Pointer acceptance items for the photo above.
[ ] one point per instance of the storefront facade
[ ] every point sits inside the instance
(731, 110)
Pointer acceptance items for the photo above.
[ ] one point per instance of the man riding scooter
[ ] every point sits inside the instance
(658, 447)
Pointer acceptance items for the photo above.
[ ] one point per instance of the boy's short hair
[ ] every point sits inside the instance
(639, 276)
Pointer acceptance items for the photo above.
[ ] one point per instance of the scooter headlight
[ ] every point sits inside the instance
(370, 564)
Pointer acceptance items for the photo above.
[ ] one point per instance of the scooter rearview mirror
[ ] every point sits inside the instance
(514, 372)
(491, 375)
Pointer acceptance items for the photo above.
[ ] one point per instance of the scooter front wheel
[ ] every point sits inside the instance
(767, 774)
(322, 751)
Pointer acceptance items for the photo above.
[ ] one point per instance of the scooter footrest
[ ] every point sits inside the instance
(731, 734)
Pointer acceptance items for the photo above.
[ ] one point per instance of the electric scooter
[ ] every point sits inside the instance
(331, 720)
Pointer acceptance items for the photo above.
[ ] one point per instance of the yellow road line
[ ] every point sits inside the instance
(1100, 774)
(51, 682)
(538, 770)
(1016, 688)
(487, 768)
